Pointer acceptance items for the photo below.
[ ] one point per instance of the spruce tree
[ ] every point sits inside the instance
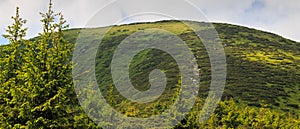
(11, 62)
(35, 80)
(48, 74)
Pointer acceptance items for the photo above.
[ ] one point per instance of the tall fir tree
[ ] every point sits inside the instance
(35, 80)
(11, 63)
(48, 74)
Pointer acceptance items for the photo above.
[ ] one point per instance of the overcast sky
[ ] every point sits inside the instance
(276, 16)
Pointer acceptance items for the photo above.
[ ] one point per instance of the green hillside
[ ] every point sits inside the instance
(52, 81)
(262, 67)
(262, 86)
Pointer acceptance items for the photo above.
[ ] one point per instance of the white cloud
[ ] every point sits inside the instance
(280, 17)
(277, 16)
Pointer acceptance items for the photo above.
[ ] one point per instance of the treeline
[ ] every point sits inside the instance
(36, 89)
(230, 114)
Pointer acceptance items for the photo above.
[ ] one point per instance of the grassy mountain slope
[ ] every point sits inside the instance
(262, 67)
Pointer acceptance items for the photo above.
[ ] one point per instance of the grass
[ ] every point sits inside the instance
(262, 67)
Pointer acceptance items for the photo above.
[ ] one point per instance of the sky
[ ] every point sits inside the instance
(276, 16)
